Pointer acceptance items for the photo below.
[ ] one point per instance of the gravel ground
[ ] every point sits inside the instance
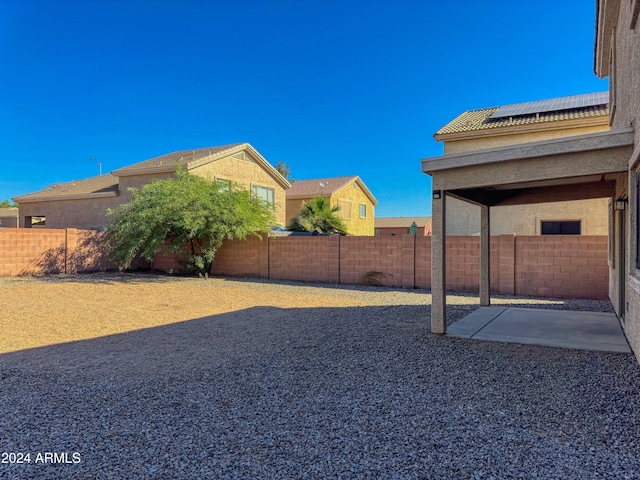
(286, 380)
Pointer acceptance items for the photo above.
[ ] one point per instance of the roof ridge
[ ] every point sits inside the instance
(189, 152)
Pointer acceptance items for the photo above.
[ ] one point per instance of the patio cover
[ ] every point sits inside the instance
(570, 168)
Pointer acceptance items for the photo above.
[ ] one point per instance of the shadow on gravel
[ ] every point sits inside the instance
(339, 286)
(358, 392)
(109, 278)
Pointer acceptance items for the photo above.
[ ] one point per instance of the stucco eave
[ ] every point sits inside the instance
(577, 144)
(363, 188)
(49, 198)
(284, 183)
(607, 17)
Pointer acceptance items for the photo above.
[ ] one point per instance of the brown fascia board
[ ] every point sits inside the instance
(216, 156)
(68, 196)
(267, 166)
(524, 128)
(366, 191)
(169, 168)
(363, 187)
(128, 172)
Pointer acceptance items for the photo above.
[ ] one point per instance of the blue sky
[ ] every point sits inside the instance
(330, 87)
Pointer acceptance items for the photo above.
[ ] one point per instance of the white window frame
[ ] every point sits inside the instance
(270, 197)
(363, 205)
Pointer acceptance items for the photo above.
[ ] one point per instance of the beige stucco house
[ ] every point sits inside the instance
(393, 226)
(602, 164)
(84, 203)
(9, 217)
(355, 201)
(487, 129)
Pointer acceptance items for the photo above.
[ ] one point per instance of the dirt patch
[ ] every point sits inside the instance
(43, 311)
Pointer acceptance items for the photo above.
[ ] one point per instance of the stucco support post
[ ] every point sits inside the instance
(438, 266)
(485, 256)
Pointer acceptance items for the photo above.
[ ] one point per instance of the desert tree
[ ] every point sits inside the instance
(188, 215)
(285, 170)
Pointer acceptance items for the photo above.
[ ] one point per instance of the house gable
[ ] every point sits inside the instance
(537, 121)
(191, 160)
(83, 203)
(346, 192)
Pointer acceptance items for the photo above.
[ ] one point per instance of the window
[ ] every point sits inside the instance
(35, 221)
(225, 185)
(635, 12)
(344, 209)
(637, 220)
(265, 194)
(565, 227)
(363, 210)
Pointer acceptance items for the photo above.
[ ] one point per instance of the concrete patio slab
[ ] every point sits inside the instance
(552, 328)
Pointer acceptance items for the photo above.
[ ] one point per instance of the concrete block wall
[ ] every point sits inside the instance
(554, 266)
(304, 259)
(41, 251)
(542, 266)
(562, 267)
(246, 258)
(21, 249)
(463, 263)
(422, 259)
(165, 261)
(374, 260)
(504, 256)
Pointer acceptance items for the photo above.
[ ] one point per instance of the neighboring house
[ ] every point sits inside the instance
(385, 226)
(583, 166)
(488, 128)
(84, 203)
(356, 203)
(9, 217)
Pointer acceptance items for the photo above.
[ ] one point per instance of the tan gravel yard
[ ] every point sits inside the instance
(57, 309)
(261, 379)
(60, 309)
(39, 311)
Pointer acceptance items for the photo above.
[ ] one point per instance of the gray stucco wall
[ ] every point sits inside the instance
(625, 89)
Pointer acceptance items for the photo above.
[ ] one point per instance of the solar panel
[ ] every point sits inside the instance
(552, 105)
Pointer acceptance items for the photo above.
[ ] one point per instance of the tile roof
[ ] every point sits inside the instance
(9, 212)
(183, 157)
(473, 120)
(109, 182)
(312, 188)
(102, 184)
(400, 222)
(107, 185)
